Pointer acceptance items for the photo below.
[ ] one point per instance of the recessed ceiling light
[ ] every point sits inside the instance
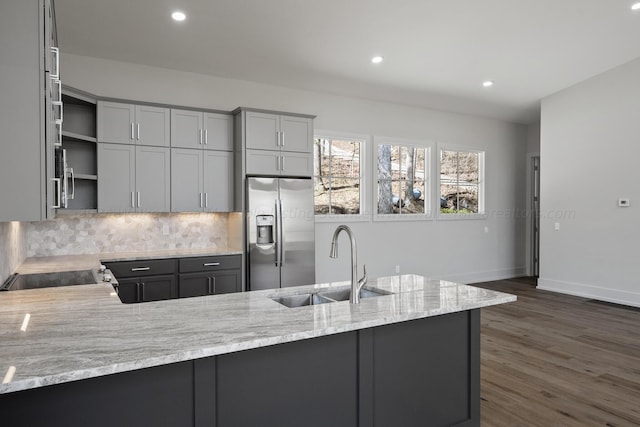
(487, 83)
(178, 16)
(376, 59)
(635, 6)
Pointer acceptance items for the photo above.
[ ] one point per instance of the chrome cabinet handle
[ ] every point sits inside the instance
(132, 136)
(209, 286)
(58, 101)
(210, 264)
(141, 269)
(132, 201)
(138, 198)
(200, 199)
(138, 131)
(56, 52)
(282, 138)
(214, 284)
(73, 184)
(200, 136)
(56, 181)
(206, 200)
(206, 137)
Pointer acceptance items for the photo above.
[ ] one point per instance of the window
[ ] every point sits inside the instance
(461, 182)
(403, 180)
(337, 175)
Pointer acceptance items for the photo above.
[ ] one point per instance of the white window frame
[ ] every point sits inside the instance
(365, 143)
(428, 178)
(482, 212)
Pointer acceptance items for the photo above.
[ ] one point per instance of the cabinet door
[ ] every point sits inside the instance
(116, 171)
(116, 122)
(195, 285)
(186, 129)
(128, 291)
(218, 181)
(186, 180)
(218, 132)
(157, 288)
(261, 130)
(153, 188)
(297, 134)
(262, 162)
(152, 126)
(225, 282)
(296, 164)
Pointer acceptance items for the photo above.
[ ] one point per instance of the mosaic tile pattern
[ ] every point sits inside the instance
(100, 233)
(13, 247)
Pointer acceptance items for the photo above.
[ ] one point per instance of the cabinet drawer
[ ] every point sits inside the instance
(209, 263)
(152, 267)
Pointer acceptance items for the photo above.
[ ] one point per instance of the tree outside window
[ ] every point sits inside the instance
(337, 176)
(402, 179)
(461, 176)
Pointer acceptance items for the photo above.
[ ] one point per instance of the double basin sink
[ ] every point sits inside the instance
(324, 297)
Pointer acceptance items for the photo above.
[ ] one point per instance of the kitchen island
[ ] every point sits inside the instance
(410, 357)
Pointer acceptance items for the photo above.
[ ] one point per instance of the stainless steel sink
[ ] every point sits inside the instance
(343, 294)
(302, 300)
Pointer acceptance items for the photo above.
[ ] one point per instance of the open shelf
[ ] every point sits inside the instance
(68, 135)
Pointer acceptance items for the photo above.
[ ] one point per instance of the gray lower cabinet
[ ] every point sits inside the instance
(201, 180)
(417, 373)
(148, 288)
(161, 279)
(30, 112)
(124, 123)
(145, 280)
(209, 275)
(133, 179)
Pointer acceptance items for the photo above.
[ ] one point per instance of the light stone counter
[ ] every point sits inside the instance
(92, 261)
(83, 331)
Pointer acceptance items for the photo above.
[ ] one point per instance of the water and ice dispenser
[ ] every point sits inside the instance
(264, 223)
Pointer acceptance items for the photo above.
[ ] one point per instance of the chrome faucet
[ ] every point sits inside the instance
(356, 284)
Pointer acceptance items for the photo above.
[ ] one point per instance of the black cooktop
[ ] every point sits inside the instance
(48, 280)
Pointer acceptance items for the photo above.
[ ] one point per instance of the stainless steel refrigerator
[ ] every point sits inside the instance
(280, 232)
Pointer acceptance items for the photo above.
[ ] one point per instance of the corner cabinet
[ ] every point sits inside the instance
(123, 123)
(275, 143)
(79, 143)
(133, 179)
(30, 110)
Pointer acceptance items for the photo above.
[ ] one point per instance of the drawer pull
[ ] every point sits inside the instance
(141, 269)
(210, 264)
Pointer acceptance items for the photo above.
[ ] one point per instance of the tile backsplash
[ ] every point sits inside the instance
(104, 233)
(13, 247)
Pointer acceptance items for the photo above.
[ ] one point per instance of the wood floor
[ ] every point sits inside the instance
(556, 360)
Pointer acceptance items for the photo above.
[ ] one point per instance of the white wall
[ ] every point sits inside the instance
(590, 150)
(455, 249)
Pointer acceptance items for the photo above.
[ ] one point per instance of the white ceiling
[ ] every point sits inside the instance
(437, 52)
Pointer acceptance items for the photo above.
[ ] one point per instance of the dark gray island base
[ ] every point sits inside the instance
(423, 372)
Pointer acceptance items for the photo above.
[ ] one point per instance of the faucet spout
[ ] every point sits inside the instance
(356, 284)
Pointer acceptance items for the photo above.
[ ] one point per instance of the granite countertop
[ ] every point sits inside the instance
(84, 331)
(92, 261)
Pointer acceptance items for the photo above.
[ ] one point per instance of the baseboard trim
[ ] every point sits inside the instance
(589, 291)
(485, 276)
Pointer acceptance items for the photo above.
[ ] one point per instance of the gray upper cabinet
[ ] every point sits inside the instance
(201, 180)
(133, 179)
(201, 130)
(123, 123)
(275, 143)
(265, 131)
(29, 119)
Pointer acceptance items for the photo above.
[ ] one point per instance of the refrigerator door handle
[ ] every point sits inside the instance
(281, 231)
(278, 233)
